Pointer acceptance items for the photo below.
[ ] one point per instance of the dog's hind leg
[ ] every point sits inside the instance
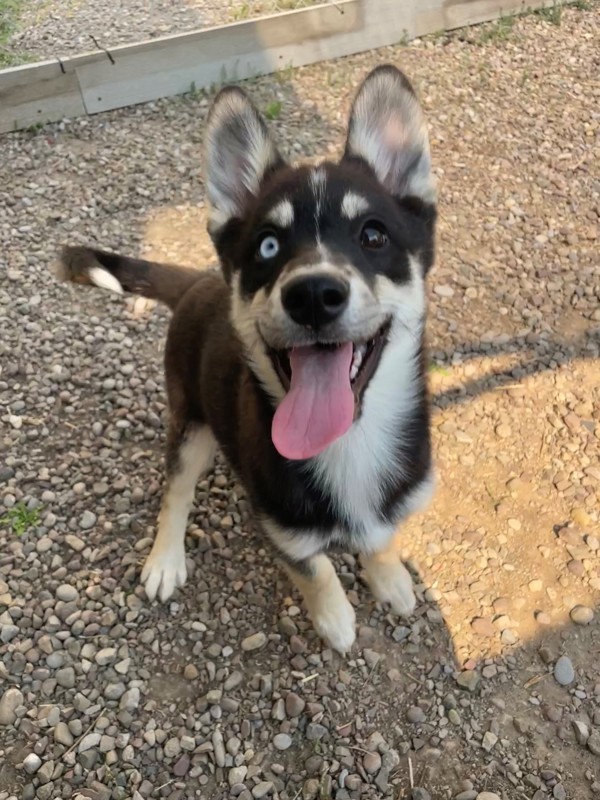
(328, 607)
(190, 454)
(389, 579)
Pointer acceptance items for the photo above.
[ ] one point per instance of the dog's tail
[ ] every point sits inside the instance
(164, 282)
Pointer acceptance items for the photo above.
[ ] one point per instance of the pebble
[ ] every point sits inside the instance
(32, 763)
(9, 702)
(254, 642)
(282, 741)
(564, 672)
(262, 789)
(593, 743)
(66, 677)
(484, 627)
(67, 593)
(419, 794)
(294, 704)
(130, 700)
(89, 741)
(416, 715)
(372, 763)
(469, 679)
(487, 796)
(62, 734)
(181, 766)
(582, 615)
(88, 520)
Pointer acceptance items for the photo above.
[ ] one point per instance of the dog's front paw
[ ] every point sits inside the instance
(335, 622)
(163, 572)
(391, 583)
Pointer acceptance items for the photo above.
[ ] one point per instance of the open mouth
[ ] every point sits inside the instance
(365, 360)
(325, 384)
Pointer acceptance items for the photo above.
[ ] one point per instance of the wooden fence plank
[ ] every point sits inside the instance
(42, 95)
(91, 82)
(231, 53)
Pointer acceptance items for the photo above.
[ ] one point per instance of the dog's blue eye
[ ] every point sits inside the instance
(268, 247)
(373, 236)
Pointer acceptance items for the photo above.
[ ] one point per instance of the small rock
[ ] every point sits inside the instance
(593, 743)
(62, 734)
(233, 681)
(469, 680)
(74, 542)
(32, 763)
(106, 656)
(564, 672)
(254, 642)
(172, 748)
(419, 794)
(489, 741)
(536, 585)
(89, 740)
(582, 732)
(88, 520)
(181, 766)
(130, 700)
(67, 593)
(372, 763)
(262, 789)
(237, 775)
(66, 677)
(487, 796)
(416, 715)
(190, 673)
(11, 700)
(468, 794)
(294, 704)
(483, 627)
(282, 741)
(315, 731)
(582, 615)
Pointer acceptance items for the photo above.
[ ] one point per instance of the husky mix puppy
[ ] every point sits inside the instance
(303, 357)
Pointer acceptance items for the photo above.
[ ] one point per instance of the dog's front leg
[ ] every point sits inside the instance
(190, 453)
(328, 607)
(389, 579)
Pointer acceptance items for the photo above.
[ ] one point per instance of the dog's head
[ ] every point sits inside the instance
(326, 263)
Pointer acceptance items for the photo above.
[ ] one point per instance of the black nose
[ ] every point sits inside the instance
(315, 300)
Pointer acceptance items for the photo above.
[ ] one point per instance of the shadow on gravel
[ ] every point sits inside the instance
(547, 355)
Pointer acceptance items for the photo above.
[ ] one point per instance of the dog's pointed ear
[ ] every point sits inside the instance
(239, 153)
(387, 130)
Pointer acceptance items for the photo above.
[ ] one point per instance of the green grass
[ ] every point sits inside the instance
(581, 5)
(20, 519)
(9, 19)
(551, 14)
(273, 110)
(499, 31)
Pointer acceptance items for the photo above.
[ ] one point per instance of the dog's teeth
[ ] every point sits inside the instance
(357, 358)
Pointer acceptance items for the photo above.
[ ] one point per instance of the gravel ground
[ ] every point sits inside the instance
(46, 29)
(492, 689)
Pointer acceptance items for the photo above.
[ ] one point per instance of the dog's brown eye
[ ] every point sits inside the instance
(373, 236)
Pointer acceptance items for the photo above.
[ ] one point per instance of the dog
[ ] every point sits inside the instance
(303, 357)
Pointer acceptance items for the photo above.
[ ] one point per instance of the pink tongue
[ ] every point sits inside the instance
(319, 407)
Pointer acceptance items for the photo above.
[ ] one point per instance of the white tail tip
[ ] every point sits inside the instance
(102, 278)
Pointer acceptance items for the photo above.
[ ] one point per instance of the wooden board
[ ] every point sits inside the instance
(171, 65)
(219, 55)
